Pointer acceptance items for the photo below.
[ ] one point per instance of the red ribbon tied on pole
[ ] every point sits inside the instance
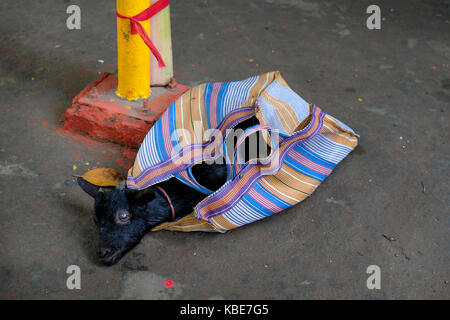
(136, 27)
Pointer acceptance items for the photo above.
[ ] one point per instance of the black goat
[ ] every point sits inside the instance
(124, 215)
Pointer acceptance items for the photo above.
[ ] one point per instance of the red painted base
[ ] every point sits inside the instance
(97, 111)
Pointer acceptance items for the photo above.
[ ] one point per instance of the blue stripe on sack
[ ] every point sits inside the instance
(219, 104)
(173, 128)
(269, 196)
(159, 140)
(146, 152)
(142, 152)
(149, 154)
(250, 213)
(242, 214)
(243, 93)
(237, 216)
(227, 98)
(156, 146)
(237, 94)
(175, 143)
(232, 216)
(257, 206)
(311, 156)
(327, 149)
(154, 150)
(207, 99)
(302, 169)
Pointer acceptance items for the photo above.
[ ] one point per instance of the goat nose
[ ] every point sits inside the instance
(103, 252)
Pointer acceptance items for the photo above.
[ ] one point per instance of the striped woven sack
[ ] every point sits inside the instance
(305, 143)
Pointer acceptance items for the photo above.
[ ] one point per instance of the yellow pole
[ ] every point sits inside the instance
(161, 37)
(133, 55)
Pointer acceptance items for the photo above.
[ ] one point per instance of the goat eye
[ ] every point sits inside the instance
(124, 216)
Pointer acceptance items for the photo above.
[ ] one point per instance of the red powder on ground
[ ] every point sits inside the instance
(86, 140)
(10, 294)
(124, 163)
(77, 155)
(129, 154)
(168, 284)
(44, 123)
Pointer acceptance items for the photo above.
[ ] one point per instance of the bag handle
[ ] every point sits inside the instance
(227, 196)
(237, 166)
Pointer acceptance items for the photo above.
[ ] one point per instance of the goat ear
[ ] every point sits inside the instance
(140, 197)
(88, 187)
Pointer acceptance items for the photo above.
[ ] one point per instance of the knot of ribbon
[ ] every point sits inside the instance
(136, 27)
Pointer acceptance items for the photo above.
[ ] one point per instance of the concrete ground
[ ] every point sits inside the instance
(391, 85)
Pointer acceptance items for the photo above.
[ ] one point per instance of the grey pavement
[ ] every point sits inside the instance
(391, 85)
